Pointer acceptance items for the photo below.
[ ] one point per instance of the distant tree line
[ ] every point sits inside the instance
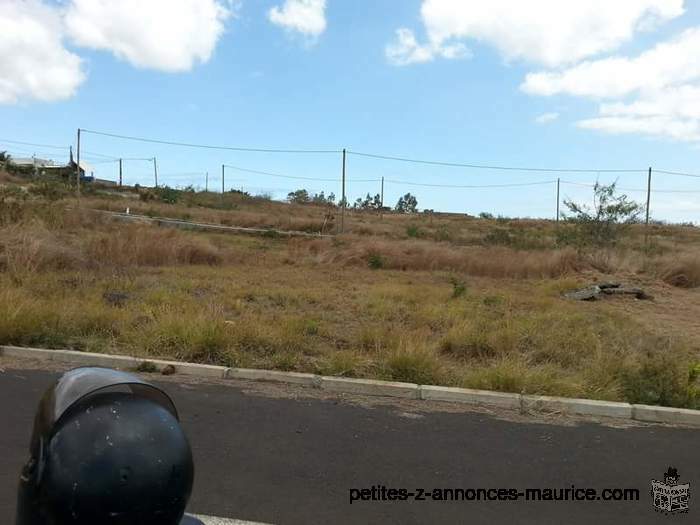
(406, 204)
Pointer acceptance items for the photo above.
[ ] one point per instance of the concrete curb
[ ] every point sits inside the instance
(581, 407)
(472, 397)
(369, 387)
(254, 374)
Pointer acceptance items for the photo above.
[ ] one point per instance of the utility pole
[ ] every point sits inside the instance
(223, 176)
(382, 197)
(646, 227)
(342, 211)
(120, 173)
(206, 182)
(558, 183)
(155, 170)
(77, 164)
(381, 201)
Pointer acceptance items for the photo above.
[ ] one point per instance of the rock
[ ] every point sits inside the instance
(168, 370)
(607, 286)
(637, 292)
(593, 292)
(584, 294)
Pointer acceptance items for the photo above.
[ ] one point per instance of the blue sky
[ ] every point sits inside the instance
(593, 86)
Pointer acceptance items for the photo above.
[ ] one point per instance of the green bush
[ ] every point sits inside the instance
(413, 231)
(375, 261)
(458, 288)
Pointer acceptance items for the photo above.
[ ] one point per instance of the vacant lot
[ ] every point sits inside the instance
(443, 299)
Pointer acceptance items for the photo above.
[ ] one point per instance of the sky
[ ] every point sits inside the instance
(555, 84)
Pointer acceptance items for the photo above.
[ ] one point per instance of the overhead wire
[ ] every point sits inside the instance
(206, 146)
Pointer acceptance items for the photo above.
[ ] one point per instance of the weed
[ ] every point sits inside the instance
(375, 261)
(147, 367)
(413, 231)
(459, 288)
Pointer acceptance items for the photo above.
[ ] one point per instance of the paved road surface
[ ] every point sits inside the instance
(293, 461)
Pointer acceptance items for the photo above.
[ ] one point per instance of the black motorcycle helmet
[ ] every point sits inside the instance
(107, 449)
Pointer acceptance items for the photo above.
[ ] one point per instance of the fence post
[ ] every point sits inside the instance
(646, 227)
(77, 164)
(342, 211)
(381, 201)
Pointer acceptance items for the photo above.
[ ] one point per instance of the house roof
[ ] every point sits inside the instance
(31, 161)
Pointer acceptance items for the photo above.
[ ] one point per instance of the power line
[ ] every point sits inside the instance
(50, 146)
(34, 144)
(205, 146)
(472, 186)
(680, 174)
(642, 190)
(487, 167)
(23, 151)
(294, 177)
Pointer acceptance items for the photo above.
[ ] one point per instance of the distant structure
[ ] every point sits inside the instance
(33, 162)
(44, 166)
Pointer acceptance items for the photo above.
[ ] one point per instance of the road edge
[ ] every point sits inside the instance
(371, 387)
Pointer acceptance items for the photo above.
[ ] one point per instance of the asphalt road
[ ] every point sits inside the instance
(293, 461)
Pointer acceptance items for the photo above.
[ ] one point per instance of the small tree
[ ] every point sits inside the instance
(407, 204)
(299, 197)
(4, 157)
(610, 215)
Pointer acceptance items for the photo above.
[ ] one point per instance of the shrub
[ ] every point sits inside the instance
(413, 231)
(147, 367)
(375, 261)
(166, 194)
(602, 224)
(458, 288)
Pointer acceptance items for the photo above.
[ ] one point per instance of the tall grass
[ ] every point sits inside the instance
(448, 305)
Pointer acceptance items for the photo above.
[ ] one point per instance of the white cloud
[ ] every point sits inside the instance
(549, 32)
(406, 50)
(546, 118)
(307, 17)
(668, 63)
(672, 113)
(34, 64)
(656, 93)
(167, 35)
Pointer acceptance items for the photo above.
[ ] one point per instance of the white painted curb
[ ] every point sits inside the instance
(524, 403)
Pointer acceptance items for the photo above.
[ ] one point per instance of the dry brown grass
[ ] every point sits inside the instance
(147, 246)
(683, 272)
(416, 255)
(27, 248)
(429, 299)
